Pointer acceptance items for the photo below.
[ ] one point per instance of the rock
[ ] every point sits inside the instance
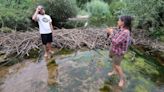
(32, 78)
(2, 59)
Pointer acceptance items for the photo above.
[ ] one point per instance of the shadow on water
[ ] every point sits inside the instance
(85, 71)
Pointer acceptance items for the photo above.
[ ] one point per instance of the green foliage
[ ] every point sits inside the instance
(60, 10)
(97, 8)
(141, 66)
(149, 69)
(116, 7)
(19, 4)
(14, 18)
(33, 53)
(74, 23)
(99, 12)
(16, 14)
(140, 88)
(83, 12)
(159, 33)
(6, 30)
(148, 13)
(81, 3)
(109, 1)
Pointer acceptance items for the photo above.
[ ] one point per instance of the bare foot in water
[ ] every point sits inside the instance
(111, 73)
(121, 83)
(52, 52)
(46, 55)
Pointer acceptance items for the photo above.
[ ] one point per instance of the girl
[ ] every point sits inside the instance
(119, 45)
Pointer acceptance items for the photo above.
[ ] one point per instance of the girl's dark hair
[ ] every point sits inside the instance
(127, 21)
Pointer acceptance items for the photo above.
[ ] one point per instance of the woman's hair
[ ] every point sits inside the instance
(127, 21)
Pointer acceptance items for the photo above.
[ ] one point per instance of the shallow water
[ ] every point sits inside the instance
(85, 71)
(31, 78)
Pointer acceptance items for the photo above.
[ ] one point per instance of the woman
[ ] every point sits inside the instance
(119, 45)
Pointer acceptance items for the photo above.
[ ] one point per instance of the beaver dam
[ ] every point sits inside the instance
(22, 43)
(80, 63)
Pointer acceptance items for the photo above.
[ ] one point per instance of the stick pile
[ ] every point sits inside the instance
(141, 37)
(77, 38)
(20, 44)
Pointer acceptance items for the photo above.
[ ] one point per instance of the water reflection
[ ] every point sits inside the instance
(52, 67)
(32, 77)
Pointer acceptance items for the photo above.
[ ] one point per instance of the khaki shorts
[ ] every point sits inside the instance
(116, 59)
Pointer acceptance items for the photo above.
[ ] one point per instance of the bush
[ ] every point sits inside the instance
(81, 3)
(74, 24)
(60, 10)
(99, 13)
(159, 33)
(15, 19)
(97, 8)
(148, 13)
(16, 14)
(83, 12)
(6, 30)
(116, 8)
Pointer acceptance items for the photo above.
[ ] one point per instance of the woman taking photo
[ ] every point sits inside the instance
(119, 44)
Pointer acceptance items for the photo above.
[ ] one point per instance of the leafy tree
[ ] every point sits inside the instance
(148, 13)
(60, 10)
(81, 3)
(16, 14)
(99, 12)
